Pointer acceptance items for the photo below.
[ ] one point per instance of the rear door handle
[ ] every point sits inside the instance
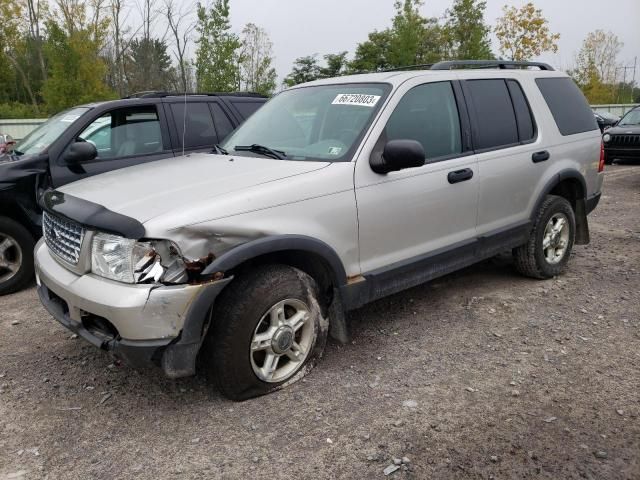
(460, 175)
(540, 156)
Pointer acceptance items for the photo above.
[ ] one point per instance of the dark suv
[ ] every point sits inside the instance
(96, 138)
(623, 141)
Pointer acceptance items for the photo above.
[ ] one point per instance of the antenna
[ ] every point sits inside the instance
(184, 119)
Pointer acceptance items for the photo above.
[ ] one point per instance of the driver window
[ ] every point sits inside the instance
(428, 114)
(125, 132)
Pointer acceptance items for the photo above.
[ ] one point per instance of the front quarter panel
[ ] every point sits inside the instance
(320, 205)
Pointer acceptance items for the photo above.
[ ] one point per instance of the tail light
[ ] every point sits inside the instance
(601, 164)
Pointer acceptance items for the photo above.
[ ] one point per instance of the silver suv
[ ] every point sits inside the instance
(334, 194)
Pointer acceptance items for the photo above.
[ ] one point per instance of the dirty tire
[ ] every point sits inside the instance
(227, 354)
(25, 242)
(529, 258)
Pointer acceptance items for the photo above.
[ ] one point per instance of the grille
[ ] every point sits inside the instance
(625, 140)
(63, 238)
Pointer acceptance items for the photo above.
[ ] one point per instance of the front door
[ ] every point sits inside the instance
(420, 211)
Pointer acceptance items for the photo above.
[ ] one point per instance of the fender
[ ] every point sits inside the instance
(582, 225)
(279, 243)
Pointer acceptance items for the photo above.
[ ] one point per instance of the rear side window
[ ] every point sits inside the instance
(568, 106)
(524, 117)
(223, 124)
(198, 128)
(495, 120)
(247, 109)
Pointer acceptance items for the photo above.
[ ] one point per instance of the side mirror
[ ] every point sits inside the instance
(80, 152)
(397, 155)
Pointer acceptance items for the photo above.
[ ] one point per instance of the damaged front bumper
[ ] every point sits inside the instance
(143, 325)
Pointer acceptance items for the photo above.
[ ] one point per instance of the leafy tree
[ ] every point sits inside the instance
(524, 33)
(149, 66)
(465, 31)
(372, 55)
(218, 48)
(76, 70)
(407, 34)
(256, 61)
(305, 69)
(336, 65)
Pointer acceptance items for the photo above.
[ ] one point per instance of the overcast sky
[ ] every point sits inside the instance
(303, 27)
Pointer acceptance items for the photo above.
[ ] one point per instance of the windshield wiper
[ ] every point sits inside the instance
(269, 152)
(219, 150)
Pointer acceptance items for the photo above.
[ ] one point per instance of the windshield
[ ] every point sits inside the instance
(43, 136)
(311, 123)
(631, 118)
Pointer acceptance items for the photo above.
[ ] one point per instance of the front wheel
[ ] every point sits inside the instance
(548, 249)
(268, 331)
(16, 256)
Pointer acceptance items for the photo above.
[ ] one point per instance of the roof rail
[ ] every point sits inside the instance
(502, 64)
(162, 94)
(423, 66)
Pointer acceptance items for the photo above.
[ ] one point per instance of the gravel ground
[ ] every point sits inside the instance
(481, 374)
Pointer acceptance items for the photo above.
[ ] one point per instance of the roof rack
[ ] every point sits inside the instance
(162, 94)
(501, 64)
(423, 66)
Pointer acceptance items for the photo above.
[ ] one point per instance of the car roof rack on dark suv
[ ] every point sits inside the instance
(162, 94)
(451, 64)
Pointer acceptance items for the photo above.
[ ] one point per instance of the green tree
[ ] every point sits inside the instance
(336, 65)
(524, 33)
(407, 34)
(465, 31)
(305, 69)
(372, 55)
(256, 61)
(149, 66)
(76, 71)
(217, 54)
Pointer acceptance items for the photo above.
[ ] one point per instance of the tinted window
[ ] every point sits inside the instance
(428, 114)
(567, 104)
(495, 120)
(247, 109)
(198, 128)
(223, 124)
(524, 117)
(125, 132)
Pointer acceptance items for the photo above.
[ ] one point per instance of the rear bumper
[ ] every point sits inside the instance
(143, 325)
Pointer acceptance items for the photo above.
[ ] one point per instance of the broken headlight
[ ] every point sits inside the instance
(130, 261)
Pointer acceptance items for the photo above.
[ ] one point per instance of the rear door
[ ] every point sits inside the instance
(505, 139)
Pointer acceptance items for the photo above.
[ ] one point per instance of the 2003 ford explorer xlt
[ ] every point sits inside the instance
(334, 194)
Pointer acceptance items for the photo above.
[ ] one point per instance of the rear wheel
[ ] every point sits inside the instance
(547, 252)
(268, 331)
(16, 256)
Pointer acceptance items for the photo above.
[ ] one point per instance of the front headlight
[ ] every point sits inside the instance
(606, 137)
(129, 261)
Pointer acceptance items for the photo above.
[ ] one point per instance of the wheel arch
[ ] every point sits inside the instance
(571, 185)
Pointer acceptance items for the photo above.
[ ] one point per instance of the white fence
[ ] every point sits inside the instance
(18, 129)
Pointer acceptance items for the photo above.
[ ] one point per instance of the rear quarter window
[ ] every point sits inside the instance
(568, 105)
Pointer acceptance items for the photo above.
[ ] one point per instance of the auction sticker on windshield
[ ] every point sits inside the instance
(358, 99)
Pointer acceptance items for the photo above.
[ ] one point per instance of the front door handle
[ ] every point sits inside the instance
(540, 156)
(460, 175)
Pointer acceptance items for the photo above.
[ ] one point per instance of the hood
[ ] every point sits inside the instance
(175, 184)
(624, 130)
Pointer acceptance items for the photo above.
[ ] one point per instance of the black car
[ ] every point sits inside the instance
(623, 141)
(606, 120)
(96, 138)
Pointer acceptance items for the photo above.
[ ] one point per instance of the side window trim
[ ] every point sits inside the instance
(534, 137)
(475, 134)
